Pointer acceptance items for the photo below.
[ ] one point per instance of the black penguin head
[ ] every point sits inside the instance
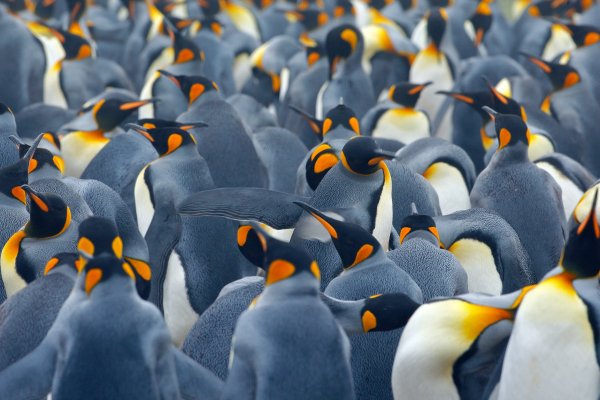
(283, 261)
(211, 24)
(379, 4)
(436, 26)
(153, 123)
(310, 17)
(362, 155)
(504, 104)
(321, 160)
(548, 8)
(581, 255)
(353, 243)
(417, 223)
(44, 9)
(343, 8)
(561, 76)
(192, 86)
(511, 130)
(45, 158)
(102, 269)
(583, 35)
(75, 46)
(165, 140)
(340, 115)
(341, 43)
(476, 100)
(109, 113)
(407, 94)
(14, 176)
(185, 49)
(70, 260)
(481, 21)
(97, 236)
(49, 215)
(314, 52)
(386, 312)
(252, 245)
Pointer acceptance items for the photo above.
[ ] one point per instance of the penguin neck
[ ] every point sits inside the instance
(426, 236)
(211, 95)
(53, 92)
(511, 154)
(45, 172)
(64, 270)
(115, 286)
(187, 151)
(299, 285)
(378, 255)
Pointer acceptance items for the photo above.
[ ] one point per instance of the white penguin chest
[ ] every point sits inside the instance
(450, 187)
(144, 208)
(78, 150)
(552, 342)
(477, 260)
(403, 124)
(179, 314)
(570, 192)
(560, 41)
(385, 212)
(147, 110)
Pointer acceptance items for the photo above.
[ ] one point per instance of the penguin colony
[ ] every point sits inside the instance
(299, 199)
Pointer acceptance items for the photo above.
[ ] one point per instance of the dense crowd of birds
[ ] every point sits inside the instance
(299, 199)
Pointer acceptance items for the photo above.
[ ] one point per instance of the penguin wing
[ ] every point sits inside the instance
(30, 377)
(276, 209)
(195, 381)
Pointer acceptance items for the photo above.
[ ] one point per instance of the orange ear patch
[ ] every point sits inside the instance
(369, 321)
(325, 162)
(279, 270)
(184, 55)
(403, 232)
(196, 91)
(91, 279)
(504, 137)
(173, 142)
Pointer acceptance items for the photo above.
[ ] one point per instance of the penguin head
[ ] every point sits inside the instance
(192, 86)
(99, 235)
(340, 115)
(185, 49)
(547, 8)
(109, 113)
(504, 104)
(210, 7)
(310, 17)
(343, 8)
(283, 261)
(407, 94)
(353, 243)
(103, 269)
(252, 245)
(13, 177)
(511, 130)
(69, 260)
(436, 26)
(581, 255)
(44, 9)
(321, 160)
(165, 140)
(420, 226)
(314, 51)
(211, 24)
(75, 46)
(561, 76)
(379, 4)
(583, 35)
(44, 158)
(362, 155)
(475, 100)
(341, 43)
(49, 215)
(481, 21)
(153, 123)
(386, 312)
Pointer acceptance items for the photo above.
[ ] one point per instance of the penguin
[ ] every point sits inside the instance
(421, 254)
(99, 235)
(8, 127)
(566, 295)
(28, 315)
(110, 305)
(460, 363)
(192, 258)
(40, 117)
(49, 230)
(367, 272)
(80, 147)
(431, 64)
(539, 199)
(258, 364)
(405, 123)
(447, 167)
(346, 79)
(225, 143)
(253, 113)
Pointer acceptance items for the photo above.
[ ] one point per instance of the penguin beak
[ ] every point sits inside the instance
(192, 125)
(134, 105)
(319, 216)
(457, 96)
(419, 88)
(492, 113)
(36, 198)
(170, 76)
(141, 130)
(538, 63)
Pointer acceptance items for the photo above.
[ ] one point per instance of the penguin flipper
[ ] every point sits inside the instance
(31, 376)
(276, 209)
(195, 381)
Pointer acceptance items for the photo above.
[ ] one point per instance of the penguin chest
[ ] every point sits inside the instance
(164, 59)
(13, 282)
(553, 342)
(570, 192)
(450, 186)
(560, 41)
(179, 314)
(385, 212)
(144, 207)
(78, 149)
(147, 111)
(477, 260)
(403, 124)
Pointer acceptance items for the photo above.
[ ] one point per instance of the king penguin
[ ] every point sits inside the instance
(367, 272)
(109, 307)
(289, 308)
(436, 271)
(568, 297)
(525, 196)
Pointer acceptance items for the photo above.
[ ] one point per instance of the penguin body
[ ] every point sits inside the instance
(254, 114)
(539, 196)
(7, 127)
(446, 166)
(135, 327)
(28, 315)
(40, 117)
(437, 272)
